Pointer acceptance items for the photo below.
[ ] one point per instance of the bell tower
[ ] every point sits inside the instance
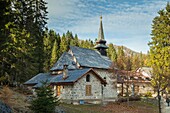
(101, 42)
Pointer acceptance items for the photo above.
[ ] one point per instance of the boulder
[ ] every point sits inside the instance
(5, 108)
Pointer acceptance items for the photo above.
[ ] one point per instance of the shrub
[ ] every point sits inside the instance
(148, 94)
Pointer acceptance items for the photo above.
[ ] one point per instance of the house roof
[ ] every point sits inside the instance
(66, 58)
(41, 77)
(84, 57)
(146, 71)
(73, 76)
(90, 58)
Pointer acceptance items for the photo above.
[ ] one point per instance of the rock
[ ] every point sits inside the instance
(5, 108)
(59, 109)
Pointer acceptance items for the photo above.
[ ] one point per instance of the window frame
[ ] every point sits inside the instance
(88, 78)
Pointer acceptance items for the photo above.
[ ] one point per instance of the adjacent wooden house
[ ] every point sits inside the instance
(135, 83)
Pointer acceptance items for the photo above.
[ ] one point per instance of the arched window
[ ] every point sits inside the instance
(88, 78)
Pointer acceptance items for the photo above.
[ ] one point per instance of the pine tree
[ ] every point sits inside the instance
(45, 101)
(160, 50)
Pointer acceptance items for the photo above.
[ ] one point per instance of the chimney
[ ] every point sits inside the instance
(65, 71)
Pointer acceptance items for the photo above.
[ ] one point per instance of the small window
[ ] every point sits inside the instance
(88, 78)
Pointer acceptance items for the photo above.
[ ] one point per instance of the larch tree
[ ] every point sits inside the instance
(112, 53)
(160, 51)
(120, 58)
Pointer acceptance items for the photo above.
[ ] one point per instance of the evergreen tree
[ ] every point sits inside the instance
(54, 54)
(160, 50)
(45, 101)
(47, 50)
(112, 53)
(6, 20)
(39, 26)
(14, 44)
(76, 40)
(63, 44)
(69, 37)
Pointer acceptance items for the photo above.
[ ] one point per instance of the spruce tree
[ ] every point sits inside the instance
(54, 54)
(6, 20)
(45, 102)
(63, 44)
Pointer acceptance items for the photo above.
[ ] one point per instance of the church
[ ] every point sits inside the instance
(82, 75)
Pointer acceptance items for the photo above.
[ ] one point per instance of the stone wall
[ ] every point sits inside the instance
(75, 93)
(110, 90)
(79, 90)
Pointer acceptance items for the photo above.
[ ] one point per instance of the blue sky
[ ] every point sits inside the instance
(125, 22)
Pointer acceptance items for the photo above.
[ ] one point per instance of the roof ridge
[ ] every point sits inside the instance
(83, 48)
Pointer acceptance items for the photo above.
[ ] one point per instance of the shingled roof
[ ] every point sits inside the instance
(90, 58)
(84, 57)
(73, 76)
(66, 58)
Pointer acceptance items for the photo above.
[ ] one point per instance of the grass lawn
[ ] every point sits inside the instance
(134, 107)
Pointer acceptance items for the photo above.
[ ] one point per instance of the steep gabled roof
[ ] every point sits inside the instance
(84, 57)
(66, 58)
(73, 76)
(90, 58)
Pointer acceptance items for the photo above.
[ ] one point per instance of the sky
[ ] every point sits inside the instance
(125, 22)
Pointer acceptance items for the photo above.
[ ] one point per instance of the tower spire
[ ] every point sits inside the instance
(101, 34)
(101, 42)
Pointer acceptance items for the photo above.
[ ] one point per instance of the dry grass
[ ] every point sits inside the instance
(15, 100)
(19, 104)
(6, 95)
(134, 107)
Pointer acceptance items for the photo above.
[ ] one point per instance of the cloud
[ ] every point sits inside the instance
(125, 22)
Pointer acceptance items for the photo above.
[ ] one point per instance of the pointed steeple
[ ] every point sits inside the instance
(101, 34)
(101, 42)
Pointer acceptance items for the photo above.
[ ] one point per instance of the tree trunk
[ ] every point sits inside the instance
(159, 101)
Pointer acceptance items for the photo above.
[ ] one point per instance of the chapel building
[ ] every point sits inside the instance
(82, 74)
